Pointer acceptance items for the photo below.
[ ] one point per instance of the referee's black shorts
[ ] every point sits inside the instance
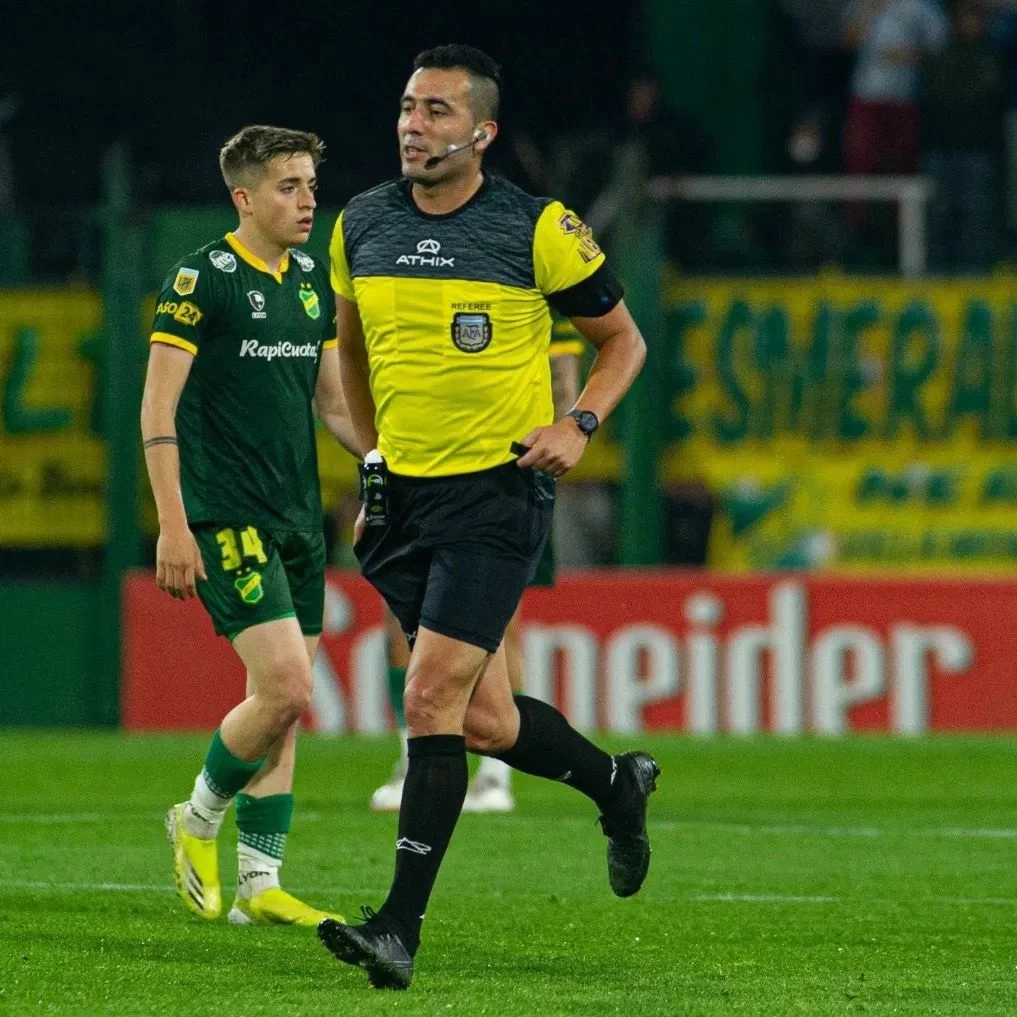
(458, 551)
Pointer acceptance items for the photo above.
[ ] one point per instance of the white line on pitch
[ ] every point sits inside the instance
(760, 898)
(1001, 901)
(43, 884)
(699, 898)
(803, 830)
(743, 829)
(47, 818)
(61, 887)
(980, 834)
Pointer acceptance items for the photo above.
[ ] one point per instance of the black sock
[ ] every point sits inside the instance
(549, 747)
(433, 796)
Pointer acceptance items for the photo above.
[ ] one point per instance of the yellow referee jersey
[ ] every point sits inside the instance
(456, 317)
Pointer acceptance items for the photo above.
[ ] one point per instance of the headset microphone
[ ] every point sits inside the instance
(435, 159)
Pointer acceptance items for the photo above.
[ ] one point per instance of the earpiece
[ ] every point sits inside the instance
(480, 136)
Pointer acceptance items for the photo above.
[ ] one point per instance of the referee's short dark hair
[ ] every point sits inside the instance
(484, 74)
(244, 157)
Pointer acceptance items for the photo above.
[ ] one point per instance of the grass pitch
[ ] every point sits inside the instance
(788, 877)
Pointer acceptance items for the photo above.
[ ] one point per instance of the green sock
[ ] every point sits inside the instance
(224, 773)
(396, 687)
(263, 823)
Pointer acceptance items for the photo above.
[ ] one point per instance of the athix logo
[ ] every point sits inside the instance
(427, 254)
(405, 844)
(269, 351)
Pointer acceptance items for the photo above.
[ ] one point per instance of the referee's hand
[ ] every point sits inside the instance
(555, 449)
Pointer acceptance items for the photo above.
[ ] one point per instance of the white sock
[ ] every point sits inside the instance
(256, 871)
(494, 771)
(204, 813)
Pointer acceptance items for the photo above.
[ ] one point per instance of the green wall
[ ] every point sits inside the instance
(49, 651)
(713, 59)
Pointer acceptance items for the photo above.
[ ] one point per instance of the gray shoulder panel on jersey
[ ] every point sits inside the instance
(490, 239)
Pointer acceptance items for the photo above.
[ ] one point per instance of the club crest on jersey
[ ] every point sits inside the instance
(258, 303)
(571, 225)
(249, 587)
(310, 301)
(186, 280)
(428, 254)
(223, 260)
(471, 333)
(305, 262)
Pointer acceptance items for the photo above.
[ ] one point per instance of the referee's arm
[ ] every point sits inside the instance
(621, 353)
(354, 373)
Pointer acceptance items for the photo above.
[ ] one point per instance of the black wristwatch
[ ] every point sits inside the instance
(587, 421)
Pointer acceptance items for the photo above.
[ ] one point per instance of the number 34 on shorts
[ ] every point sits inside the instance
(262, 575)
(234, 552)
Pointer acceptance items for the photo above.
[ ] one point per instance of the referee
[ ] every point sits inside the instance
(443, 280)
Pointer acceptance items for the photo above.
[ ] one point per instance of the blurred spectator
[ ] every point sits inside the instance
(1004, 31)
(963, 92)
(13, 230)
(813, 233)
(653, 141)
(8, 110)
(580, 165)
(825, 64)
(882, 132)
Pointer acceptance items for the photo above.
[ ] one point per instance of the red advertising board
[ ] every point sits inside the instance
(628, 651)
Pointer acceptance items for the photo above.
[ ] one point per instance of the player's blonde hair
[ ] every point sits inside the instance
(244, 157)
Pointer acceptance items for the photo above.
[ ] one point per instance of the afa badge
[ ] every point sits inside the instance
(310, 301)
(250, 588)
(471, 333)
(186, 280)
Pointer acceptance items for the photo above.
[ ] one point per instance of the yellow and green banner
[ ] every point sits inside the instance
(52, 457)
(52, 453)
(840, 422)
(848, 423)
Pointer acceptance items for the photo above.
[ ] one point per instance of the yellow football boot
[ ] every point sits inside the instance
(275, 906)
(195, 867)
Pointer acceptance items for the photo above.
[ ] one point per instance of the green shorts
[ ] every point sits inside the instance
(257, 575)
(546, 569)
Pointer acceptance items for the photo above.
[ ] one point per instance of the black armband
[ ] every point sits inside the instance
(594, 297)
